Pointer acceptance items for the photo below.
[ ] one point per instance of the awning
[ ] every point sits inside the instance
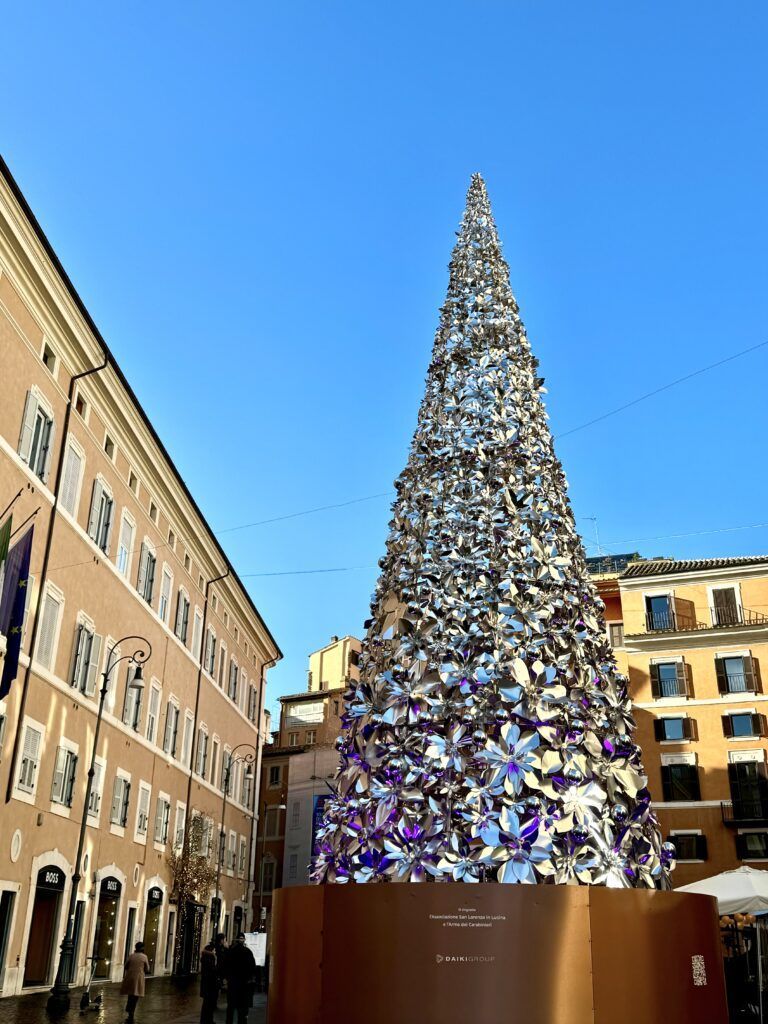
(742, 891)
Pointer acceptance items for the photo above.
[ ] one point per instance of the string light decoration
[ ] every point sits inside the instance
(489, 738)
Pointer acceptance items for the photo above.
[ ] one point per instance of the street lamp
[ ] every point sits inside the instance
(278, 807)
(248, 758)
(58, 1001)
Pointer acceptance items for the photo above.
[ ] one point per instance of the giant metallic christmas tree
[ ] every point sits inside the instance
(490, 735)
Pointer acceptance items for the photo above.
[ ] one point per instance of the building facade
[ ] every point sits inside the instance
(298, 767)
(120, 550)
(692, 637)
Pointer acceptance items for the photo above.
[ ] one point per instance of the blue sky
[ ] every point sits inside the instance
(258, 201)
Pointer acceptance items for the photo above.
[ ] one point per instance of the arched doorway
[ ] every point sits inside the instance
(104, 948)
(152, 924)
(44, 926)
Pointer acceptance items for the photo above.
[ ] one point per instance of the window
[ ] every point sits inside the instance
(210, 651)
(133, 700)
(202, 752)
(275, 774)
(311, 736)
(153, 713)
(680, 782)
(145, 582)
(133, 482)
(232, 688)
(186, 743)
(121, 794)
(70, 480)
(725, 607)
(232, 852)
(197, 633)
(752, 845)
(689, 845)
(164, 606)
(293, 739)
(268, 875)
(226, 772)
(678, 729)
(241, 866)
(81, 406)
(187, 561)
(749, 788)
(142, 812)
(85, 659)
(162, 818)
(214, 761)
(181, 625)
(737, 674)
(252, 702)
(125, 544)
(100, 519)
(743, 723)
(171, 540)
(222, 663)
(64, 771)
(295, 813)
(293, 866)
(94, 801)
(616, 634)
(214, 602)
(247, 789)
(171, 729)
(109, 447)
(36, 439)
(49, 358)
(670, 679)
(30, 759)
(181, 821)
(272, 823)
(153, 513)
(206, 837)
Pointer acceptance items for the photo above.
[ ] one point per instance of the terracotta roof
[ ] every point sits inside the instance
(667, 566)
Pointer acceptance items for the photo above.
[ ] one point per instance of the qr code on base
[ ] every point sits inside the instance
(699, 970)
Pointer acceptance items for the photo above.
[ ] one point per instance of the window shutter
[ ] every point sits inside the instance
(727, 726)
(114, 811)
(48, 451)
(126, 800)
(185, 621)
(31, 755)
(141, 579)
(658, 729)
(722, 678)
(93, 518)
(758, 725)
(692, 782)
(48, 625)
(93, 665)
(150, 585)
(681, 678)
(57, 790)
(689, 728)
(72, 469)
(666, 781)
(70, 784)
(168, 729)
(750, 674)
(175, 730)
(77, 655)
(178, 620)
(28, 427)
(107, 527)
(197, 629)
(655, 681)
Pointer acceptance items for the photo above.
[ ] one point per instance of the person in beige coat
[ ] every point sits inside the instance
(136, 968)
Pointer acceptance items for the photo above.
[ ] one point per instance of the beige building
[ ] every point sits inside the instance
(120, 550)
(297, 767)
(693, 638)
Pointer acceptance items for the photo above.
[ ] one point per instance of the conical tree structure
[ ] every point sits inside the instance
(490, 735)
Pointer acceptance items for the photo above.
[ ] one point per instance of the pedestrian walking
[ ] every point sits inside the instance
(209, 984)
(241, 976)
(136, 969)
(221, 949)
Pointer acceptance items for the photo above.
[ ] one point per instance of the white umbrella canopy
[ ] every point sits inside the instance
(742, 891)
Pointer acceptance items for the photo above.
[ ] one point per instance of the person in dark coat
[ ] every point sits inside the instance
(221, 949)
(240, 969)
(209, 984)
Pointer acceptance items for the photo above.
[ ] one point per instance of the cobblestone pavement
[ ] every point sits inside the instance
(165, 1003)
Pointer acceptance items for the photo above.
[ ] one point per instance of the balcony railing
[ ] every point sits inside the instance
(672, 621)
(739, 813)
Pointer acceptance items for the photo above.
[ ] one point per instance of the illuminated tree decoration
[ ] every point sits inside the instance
(490, 735)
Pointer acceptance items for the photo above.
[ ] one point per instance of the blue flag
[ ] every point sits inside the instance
(12, 605)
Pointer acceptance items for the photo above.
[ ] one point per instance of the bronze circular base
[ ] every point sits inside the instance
(491, 954)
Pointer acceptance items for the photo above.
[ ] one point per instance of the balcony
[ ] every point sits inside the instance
(745, 813)
(677, 620)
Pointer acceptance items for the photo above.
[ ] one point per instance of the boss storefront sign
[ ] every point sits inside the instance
(111, 887)
(50, 878)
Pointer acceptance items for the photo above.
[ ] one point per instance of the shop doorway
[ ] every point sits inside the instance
(104, 948)
(44, 926)
(152, 924)
(7, 899)
(191, 938)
